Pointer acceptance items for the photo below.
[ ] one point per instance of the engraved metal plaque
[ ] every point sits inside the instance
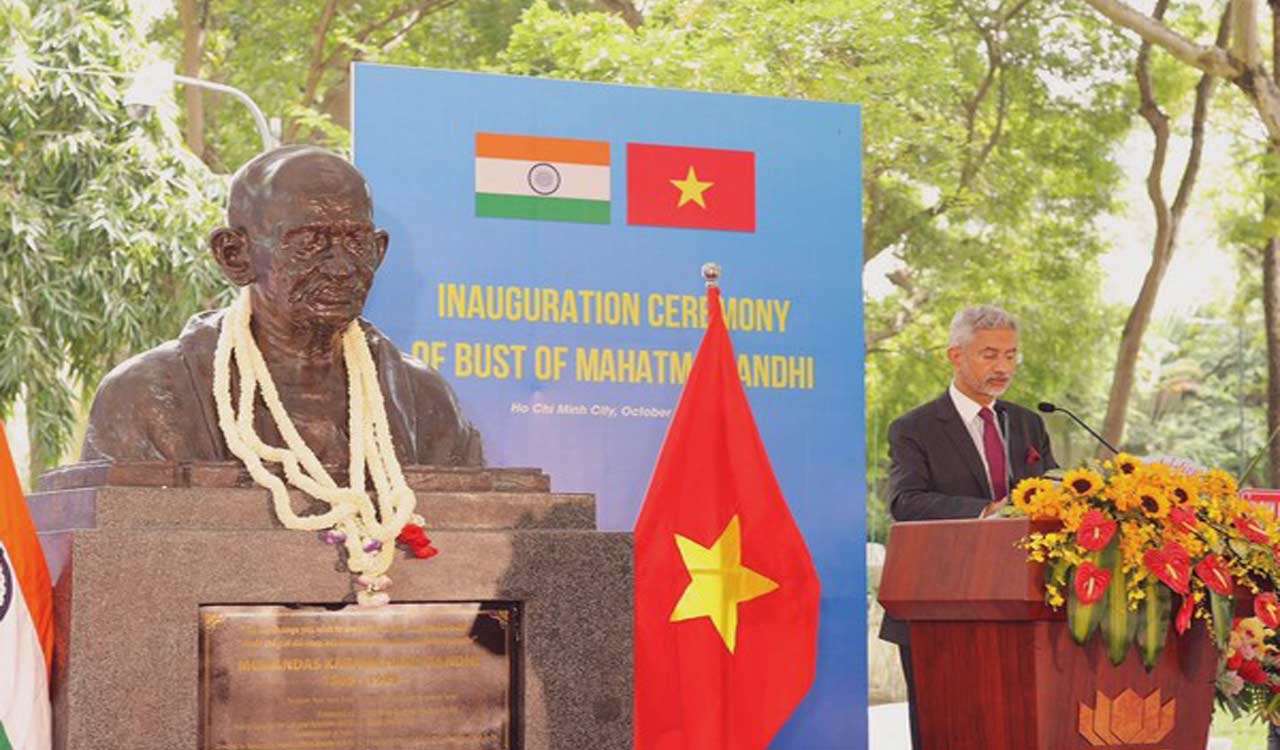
(402, 676)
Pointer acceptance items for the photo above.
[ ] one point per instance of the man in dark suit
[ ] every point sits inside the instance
(960, 455)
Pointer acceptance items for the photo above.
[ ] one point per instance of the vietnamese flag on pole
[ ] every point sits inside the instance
(726, 597)
(698, 188)
(26, 620)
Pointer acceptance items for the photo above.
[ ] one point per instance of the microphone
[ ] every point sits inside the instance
(1049, 408)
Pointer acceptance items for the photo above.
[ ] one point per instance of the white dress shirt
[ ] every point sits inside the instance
(969, 409)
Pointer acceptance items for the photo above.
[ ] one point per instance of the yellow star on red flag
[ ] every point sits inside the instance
(720, 582)
(691, 188)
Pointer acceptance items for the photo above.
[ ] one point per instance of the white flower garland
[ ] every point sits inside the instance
(369, 533)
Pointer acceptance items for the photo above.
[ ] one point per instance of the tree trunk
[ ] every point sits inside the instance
(1168, 218)
(189, 14)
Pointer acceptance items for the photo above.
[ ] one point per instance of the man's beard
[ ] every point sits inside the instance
(994, 388)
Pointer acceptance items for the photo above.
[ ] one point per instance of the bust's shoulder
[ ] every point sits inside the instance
(146, 408)
(441, 434)
(426, 382)
(143, 376)
(150, 374)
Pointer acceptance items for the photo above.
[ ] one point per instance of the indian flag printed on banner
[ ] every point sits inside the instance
(26, 620)
(551, 179)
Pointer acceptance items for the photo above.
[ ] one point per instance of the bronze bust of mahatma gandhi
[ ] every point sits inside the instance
(300, 239)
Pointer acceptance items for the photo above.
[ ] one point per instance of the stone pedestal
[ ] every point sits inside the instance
(136, 550)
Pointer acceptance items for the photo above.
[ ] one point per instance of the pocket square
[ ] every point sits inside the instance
(1033, 455)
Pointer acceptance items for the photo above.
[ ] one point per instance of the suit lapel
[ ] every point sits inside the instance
(958, 434)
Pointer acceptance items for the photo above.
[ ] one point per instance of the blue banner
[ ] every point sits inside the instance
(546, 241)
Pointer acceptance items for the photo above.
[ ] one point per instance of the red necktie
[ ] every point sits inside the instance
(994, 449)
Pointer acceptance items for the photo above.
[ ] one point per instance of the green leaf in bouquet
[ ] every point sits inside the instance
(1153, 621)
(1083, 619)
(1119, 625)
(1223, 611)
(1238, 547)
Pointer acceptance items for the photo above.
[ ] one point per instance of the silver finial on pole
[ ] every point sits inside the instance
(711, 274)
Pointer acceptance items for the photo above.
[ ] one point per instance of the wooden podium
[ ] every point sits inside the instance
(996, 669)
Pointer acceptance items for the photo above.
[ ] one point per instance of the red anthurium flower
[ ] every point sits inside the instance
(1184, 519)
(1095, 531)
(1215, 574)
(1267, 609)
(1252, 672)
(1252, 530)
(1172, 565)
(1184, 614)
(1091, 582)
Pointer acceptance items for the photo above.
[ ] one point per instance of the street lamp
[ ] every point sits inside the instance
(153, 82)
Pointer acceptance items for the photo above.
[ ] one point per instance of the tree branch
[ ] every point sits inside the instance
(1245, 45)
(623, 8)
(1212, 60)
(318, 61)
(1199, 115)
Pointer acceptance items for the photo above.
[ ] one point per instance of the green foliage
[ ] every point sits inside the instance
(269, 51)
(1202, 388)
(102, 219)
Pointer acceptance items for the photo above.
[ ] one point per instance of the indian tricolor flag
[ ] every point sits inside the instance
(26, 620)
(533, 177)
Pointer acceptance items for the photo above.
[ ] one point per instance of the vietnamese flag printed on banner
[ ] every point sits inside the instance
(697, 188)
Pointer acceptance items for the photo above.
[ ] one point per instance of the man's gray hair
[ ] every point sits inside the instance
(970, 320)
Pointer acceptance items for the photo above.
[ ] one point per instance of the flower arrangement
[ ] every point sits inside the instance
(1249, 673)
(1142, 546)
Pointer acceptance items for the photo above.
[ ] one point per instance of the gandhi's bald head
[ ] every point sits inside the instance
(300, 231)
(278, 184)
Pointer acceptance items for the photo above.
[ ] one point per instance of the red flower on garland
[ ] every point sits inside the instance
(1184, 519)
(1267, 609)
(1184, 614)
(1095, 531)
(1091, 582)
(1235, 660)
(412, 534)
(417, 540)
(1215, 574)
(1172, 565)
(1252, 672)
(1252, 530)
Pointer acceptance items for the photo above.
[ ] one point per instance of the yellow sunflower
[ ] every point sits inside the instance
(1183, 492)
(1125, 464)
(1083, 482)
(1024, 495)
(1154, 502)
